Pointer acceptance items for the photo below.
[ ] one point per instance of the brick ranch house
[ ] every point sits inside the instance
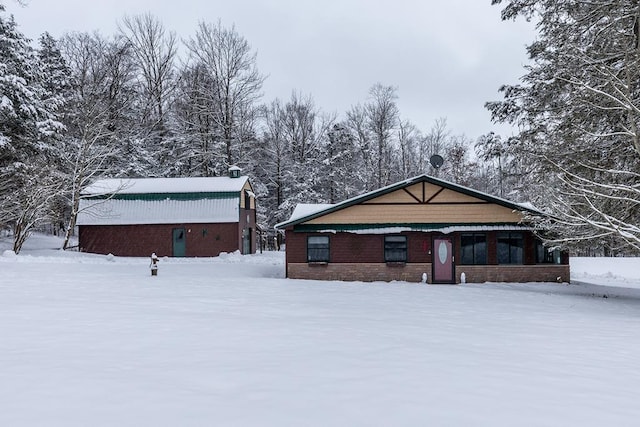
(169, 216)
(420, 227)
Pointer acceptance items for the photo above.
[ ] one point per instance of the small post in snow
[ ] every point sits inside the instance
(154, 264)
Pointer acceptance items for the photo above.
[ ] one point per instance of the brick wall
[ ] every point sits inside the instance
(142, 240)
(361, 257)
(365, 272)
(357, 248)
(513, 273)
(370, 272)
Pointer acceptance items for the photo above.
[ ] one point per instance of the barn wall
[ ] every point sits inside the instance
(142, 240)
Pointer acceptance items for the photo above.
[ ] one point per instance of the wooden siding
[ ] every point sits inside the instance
(422, 203)
(422, 213)
(398, 196)
(247, 186)
(450, 196)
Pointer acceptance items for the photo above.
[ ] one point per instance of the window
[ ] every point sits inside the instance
(545, 256)
(247, 200)
(473, 248)
(395, 248)
(318, 249)
(510, 248)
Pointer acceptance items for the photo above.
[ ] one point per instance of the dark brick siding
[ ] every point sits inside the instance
(361, 257)
(350, 247)
(412, 272)
(142, 240)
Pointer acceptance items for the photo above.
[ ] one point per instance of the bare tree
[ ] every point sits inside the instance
(408, 139)
(458, 166)
(101, 97)
(382, 114)
(234, 81)
(31, 204)
(198, 153)
(155, 51)
(357, 124)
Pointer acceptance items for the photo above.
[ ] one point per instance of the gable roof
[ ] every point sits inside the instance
(165, 185)
(124, 201)
(298, 219)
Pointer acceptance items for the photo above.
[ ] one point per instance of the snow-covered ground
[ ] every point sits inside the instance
(227, 341)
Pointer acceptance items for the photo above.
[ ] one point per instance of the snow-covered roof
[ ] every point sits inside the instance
(304, 209)
(126, 212)
(165, 185)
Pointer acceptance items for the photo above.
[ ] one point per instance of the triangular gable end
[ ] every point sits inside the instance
(419, 200)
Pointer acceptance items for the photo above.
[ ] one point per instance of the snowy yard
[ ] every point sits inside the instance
(88, 340)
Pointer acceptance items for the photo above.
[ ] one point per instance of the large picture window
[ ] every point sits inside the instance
(318, 249)
(395, 248)
(510, 248)
(473, 248)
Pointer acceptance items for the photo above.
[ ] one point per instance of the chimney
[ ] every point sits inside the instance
(234, 172)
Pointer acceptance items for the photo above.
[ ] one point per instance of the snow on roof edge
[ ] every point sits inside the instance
(165, 185)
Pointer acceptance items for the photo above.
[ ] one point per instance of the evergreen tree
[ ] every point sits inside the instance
(578, 109)
(28, 122)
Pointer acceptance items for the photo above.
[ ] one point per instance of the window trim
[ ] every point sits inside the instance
(324, 260)
(511, 235)
(247, 200)
(473, 254)
(405, 249)
(550, 257)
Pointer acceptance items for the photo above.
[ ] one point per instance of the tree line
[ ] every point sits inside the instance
(145, 103)
(141, 103)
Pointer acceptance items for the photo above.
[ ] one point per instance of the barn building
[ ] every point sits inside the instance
(419, 229)
(192, 217)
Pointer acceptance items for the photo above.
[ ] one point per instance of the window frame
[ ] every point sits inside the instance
(401, 245)
(474, 251)
(511, 236)
(247, 200)
(318, 259)
(549, 257)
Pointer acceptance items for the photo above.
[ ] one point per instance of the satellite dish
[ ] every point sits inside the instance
(436, 161)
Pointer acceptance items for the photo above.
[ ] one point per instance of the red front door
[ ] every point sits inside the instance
(442, 259)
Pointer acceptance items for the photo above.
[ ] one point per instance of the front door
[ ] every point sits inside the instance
(179, 242)
(442, 260)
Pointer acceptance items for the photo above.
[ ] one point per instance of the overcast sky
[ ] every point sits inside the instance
(446, 57)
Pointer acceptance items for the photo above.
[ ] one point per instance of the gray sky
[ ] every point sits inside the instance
(446, 57)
